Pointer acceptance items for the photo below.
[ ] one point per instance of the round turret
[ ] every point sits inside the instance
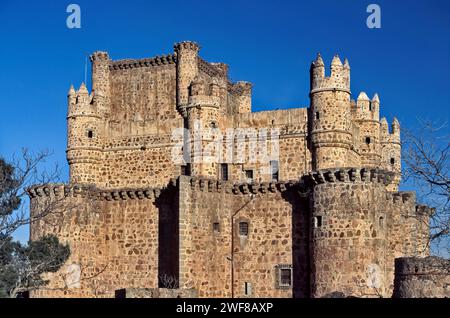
(202, 113)
(187, 70)
(367, 116)
(84, 131)
(348, 233)
(330, 114)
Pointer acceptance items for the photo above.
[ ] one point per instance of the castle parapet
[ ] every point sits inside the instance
(213, 185)
(427, 277)
(368, 175)
(147, 62)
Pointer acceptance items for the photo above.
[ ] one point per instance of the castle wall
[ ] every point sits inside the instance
(277, 236)
(113, 237)
(148, 162)
(143, 92)
(290, 147)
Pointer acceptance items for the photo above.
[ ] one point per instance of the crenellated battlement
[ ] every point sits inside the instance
(422, 266)
(241, 88)
(424, 210)
(366, 175)
(186, 45)
(99, 56)
(367, 109)
(218, 70)
(146, 62)
(213, 185)
(339, 79)
(81, 102)
(392, 135)
(94, 193)
(399, 198)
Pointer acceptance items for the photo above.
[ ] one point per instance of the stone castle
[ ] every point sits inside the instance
(323, 217)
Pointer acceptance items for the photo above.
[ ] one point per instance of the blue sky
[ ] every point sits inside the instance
(270, 43)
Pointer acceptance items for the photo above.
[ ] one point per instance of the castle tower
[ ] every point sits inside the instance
(330, 114)
(391, 151)
(101, 82)
(348, 233)
(203, 114)
(244, 99)
(85, 128)
(367, 116)
(187, 70)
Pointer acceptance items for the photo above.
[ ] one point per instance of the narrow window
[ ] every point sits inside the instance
(216, 227)
(224, 171)
(274, 169)
(368, 140)
(392, 161)
(317, 115)
(381, 222)
(317, 221)
(247, 289)
(249, 175)
(243, 228)
(370, 106)
(90, 134)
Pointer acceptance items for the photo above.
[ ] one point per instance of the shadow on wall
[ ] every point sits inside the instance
(168, 238)
(300, 243)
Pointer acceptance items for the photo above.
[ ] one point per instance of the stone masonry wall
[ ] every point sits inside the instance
(422, 277)
(113, 236)
(358, 229)
(276, 235)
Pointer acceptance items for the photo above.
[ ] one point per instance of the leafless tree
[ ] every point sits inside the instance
(20, 269)
(426, 167)
(168, 281)
(27, 172)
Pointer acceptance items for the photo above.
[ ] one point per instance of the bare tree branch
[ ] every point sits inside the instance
(426, 167)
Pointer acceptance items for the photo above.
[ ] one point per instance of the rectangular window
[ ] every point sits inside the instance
(216, 227)
(283, 276)
(90, 134)
(224, 171)
(274, 169)
(249, 175)
(243, 228)
(368, 140)
(186, 170)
